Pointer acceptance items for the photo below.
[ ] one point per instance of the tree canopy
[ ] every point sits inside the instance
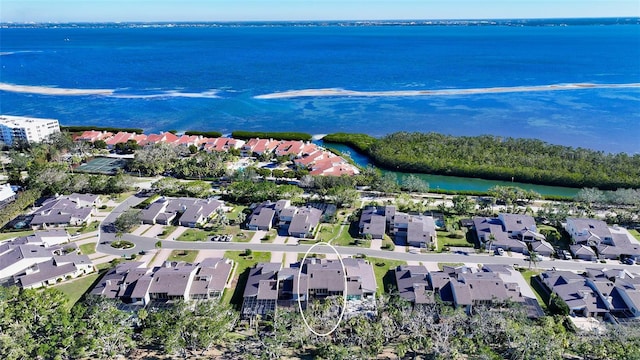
(493, 157)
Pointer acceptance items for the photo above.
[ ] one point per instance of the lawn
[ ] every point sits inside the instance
(312, 255)
(193, 235)
(444, 240)
(635, 234)
(382, 269)
(88, 249)
(10, 235)
(328, 232)
(74, 289)
(183, 255)
(237, 209)
(234, 294)
(346, 237)
(122, 197)
(168, 230)
(85, 229)
(443, 264)
(527, 275)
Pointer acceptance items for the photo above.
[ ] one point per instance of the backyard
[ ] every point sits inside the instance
(384, 277)
(74, 289)
(233, 295)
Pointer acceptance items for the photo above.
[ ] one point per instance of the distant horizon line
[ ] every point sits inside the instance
(631, 17)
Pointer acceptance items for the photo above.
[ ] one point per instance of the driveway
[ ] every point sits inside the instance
(376, 244)
(257, 237)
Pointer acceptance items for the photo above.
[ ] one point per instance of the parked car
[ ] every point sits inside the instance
(566, 255)
(500, 251)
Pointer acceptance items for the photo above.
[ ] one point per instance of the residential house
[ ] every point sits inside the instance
(47, 238)
(542, 248)
(54, 270)
(134, 284)
(262, 218)
(93, 135)
(583, 252)
(373, 222)
(421, 232)
(270, 286)
(413, 284)
(119, 138)
(69, 210)
(261, 291)
(577, 291)
(591, 232)
(465, 287)
(493, 234)
(304, 222)
(192, 212)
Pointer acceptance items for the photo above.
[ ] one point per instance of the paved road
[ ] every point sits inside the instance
(145, 243)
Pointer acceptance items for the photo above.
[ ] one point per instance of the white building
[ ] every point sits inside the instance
(7, 194)
(31, 130)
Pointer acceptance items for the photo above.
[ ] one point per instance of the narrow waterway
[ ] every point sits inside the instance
(455, 183)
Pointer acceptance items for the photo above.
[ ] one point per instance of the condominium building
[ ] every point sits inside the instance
(31, 130)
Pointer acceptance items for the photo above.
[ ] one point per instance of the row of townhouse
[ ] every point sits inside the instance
(305, 154)
(593, 239)
(511, 232)
(601, 293)
(270, 285)
(466, 287)
(414, 230)
(300, 222)
(136, 285)
(65, 210)
(44, 258)
(7, 195)
(190, 212)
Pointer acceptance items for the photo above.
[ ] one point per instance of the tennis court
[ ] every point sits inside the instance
(102, 165)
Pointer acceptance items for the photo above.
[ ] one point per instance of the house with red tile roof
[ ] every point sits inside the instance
(259, 146)
(93, 135)
(120, 137)
(165, 137)
(290, 148)
(222, 144)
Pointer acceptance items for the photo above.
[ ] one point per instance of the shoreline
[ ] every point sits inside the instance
(338, 92)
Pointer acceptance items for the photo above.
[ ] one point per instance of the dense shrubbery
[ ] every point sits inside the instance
(239, 134)
(491, 157)
(208, 134)
(74, 128)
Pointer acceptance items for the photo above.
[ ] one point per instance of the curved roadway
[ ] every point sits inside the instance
(145, 243)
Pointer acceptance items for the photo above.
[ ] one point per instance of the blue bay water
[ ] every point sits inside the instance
(207, 78)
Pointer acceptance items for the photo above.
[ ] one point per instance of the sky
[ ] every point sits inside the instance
(271, 10)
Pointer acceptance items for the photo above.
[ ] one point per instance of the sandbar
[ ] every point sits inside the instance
(45, 90)
(337, 92)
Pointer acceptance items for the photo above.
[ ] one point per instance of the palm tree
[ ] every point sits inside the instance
(492, 238)
(534, 258)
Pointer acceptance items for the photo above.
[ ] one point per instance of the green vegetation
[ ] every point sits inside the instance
(193, 235)
(24, 200)
(88, 249)
(77, 129)
(528, 277)
(253, 192)
(207, 134)
(84, 229)
(183, 255)
(75, 288)
(443, 264)
(360, 142)
(635, 233)
(243, 262)
(245, 135)
(148, 201)
(168, 230)
(382, 268)
(14, 234)
(122, 244)
(491, 157)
